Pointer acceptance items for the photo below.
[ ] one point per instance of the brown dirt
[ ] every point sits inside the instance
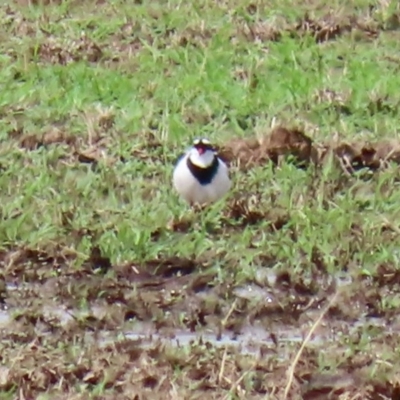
(169, 292)
(322, 28)
(134, 373)
(55, 51)
(294, 145)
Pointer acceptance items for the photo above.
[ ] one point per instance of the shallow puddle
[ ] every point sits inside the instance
(246, 344)
(4, 318)
(252, 339)
(255, 292)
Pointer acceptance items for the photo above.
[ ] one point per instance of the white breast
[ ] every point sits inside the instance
(193, 192)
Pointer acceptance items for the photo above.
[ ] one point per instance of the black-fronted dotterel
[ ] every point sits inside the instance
(200, 176)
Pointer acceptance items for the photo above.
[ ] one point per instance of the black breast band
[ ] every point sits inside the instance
(203, 175)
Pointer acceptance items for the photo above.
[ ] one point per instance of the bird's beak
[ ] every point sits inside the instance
(201, 150)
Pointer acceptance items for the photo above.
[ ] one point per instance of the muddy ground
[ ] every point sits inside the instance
(79, 325)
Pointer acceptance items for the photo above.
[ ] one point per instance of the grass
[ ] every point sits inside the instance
(97, 102)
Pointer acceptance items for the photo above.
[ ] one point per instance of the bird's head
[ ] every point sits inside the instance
(202, 154)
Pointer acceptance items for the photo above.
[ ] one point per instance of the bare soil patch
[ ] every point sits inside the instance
(292, 144)
(57, 51)
(322, 28)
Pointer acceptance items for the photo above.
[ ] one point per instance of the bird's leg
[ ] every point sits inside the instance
(198, 208)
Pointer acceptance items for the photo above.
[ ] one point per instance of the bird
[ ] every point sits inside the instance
(200, 177)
